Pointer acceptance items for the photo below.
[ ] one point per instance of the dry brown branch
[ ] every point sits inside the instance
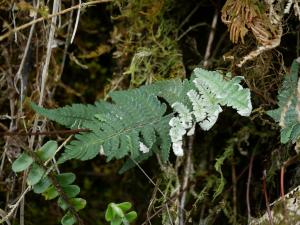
(24, 26)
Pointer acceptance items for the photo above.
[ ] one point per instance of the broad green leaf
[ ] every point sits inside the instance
(47, 151)
(65, 179)
(50, 193)
(68, 219)
(71, 190)
(125, 206)
(35, 175)
(42, 185)
(22, 163)
(131, 216)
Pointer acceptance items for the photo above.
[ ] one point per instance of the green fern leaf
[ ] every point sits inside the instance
(170, 90)
(136, 123)
(227, 92)
(210, 92)
(74, 116)
(286, 114)
(132, 117)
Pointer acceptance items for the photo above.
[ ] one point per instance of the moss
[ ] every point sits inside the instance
(145, 42)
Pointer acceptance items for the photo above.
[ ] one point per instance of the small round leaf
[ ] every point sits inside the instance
(22, 163)
(64, 179)
(62, 204)
(35, 175)
(47, 151)
(131, 216)
(109, 214)
(125, 206)
(77, 203)
(68, 219)
(42, 185)
(71, 190)
(50, 193)
(118, 211)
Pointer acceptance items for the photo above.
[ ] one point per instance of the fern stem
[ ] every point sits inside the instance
(266, 198)
(185, 182)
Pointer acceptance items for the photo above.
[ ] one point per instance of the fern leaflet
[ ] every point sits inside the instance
(287, 114)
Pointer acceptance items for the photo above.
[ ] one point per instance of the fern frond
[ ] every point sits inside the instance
(286, 114)
(133, 118)
(136, 123)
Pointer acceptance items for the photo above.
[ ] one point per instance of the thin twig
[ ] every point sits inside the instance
(282, 183)
(2, 214)
(266, 198)
(211, 38)
(189, 16)
(24, 26)
(19, 75)
(187, 31)
(15, 206)
(67, 43)
(169, 215)
(49, 51)
(186, 178)
(152, 202)
(148, 177)
(248, 188)
(76, 23)
(234, 192)
(14, 21)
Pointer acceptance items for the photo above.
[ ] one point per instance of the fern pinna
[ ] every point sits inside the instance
(287, 113)
(137, 122)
